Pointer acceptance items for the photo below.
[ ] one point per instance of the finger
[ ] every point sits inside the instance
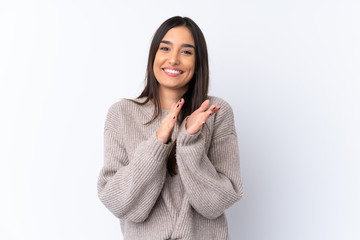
(203, 106)
(179, 104)
(216, 109)
(175, 109)
(211, 110)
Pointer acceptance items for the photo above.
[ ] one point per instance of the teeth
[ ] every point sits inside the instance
(172, 71)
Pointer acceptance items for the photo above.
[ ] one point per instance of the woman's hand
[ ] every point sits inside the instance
(198, 118)
(167, 125)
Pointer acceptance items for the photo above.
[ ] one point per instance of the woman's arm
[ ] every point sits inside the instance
(212, 180)
(129, 188)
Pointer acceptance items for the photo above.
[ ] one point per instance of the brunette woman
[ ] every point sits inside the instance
(171, 163)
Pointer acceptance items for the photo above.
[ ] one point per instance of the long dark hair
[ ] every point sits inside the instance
(198, 85)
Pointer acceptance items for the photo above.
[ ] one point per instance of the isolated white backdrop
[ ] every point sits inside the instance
(289, 69)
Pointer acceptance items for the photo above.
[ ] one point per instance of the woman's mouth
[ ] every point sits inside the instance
(172, 72)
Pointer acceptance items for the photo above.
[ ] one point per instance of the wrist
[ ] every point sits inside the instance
(164, 140)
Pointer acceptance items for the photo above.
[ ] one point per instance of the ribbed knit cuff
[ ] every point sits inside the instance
(184, 138)
(157, 149)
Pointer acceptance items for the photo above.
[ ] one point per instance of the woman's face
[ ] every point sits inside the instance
(174, 63)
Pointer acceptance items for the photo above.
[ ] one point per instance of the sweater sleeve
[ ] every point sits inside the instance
(129, 188)
(211, 179)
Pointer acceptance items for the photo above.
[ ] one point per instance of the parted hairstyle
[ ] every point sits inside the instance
(197, 91)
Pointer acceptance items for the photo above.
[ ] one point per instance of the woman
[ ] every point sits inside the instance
(171, 163)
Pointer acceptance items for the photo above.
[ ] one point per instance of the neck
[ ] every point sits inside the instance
(169, 96)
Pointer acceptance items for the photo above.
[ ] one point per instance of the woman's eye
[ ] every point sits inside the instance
(187, 52)
(164, 48)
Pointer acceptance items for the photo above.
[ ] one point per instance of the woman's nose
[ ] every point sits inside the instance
(174, 59)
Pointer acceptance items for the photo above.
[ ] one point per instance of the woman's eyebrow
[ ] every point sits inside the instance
(183, 45)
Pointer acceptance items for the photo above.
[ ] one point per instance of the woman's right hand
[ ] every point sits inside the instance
(167, 125)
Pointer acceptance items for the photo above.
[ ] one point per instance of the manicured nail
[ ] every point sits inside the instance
(177, 106)
(180, 100)
(173, 117)
(214, 108)
(210, 114)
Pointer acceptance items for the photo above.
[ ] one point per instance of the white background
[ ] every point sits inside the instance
(289, 69)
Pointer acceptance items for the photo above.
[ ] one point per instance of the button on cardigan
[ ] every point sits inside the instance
(151, 205)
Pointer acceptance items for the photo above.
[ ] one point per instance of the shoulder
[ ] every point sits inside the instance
(223, 118)
(126, 105)
(123, 103)
(225, 109)
(121, 112)
(117, 108)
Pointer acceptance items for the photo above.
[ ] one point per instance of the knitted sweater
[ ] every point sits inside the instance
(135, 186)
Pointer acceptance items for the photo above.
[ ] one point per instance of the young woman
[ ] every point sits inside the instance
(171, 163)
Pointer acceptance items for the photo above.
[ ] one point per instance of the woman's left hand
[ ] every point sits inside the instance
(198, 118)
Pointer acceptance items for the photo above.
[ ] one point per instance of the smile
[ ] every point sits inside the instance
(172, 72)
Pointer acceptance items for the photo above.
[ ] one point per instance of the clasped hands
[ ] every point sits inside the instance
(193, 124)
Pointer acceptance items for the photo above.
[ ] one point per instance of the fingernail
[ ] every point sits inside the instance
(214, 107)
(210, 114)
(173, 117)
(180, 100)
(177, 106)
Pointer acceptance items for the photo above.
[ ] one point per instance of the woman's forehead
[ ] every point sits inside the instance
(179, 36)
